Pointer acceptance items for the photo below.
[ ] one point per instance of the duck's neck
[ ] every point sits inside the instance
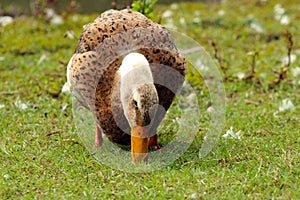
(134, 72)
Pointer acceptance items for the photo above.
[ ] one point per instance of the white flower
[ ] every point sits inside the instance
(182, 21)
(56, 20)
(70, 34)
(19, 104)
(53, 17)
(194, 196)
(230, 134)
(197, 12)
(50, 13)
(6, 176)
(2, 105)
(257, 27)
(66, 88)
(285, 20)
(196, 20)
(280, 15)
(170, 24)
(75, 18)
(167, 13)
(250, 16)
(278, 9)
(285, 60)
(174, 6)
(286, 105)
(295, 71)
(263, 75)
(240, 75)
(5, 20)
(221, 13)
(277, 17)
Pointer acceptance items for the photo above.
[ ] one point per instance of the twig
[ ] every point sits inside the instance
(282, 73)
(8, 92)
(247, 101)
(114, 4)
(220, 60)
(253, 66)
(270, 131)
(53, 132)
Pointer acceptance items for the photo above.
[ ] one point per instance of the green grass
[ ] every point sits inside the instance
(42, 157)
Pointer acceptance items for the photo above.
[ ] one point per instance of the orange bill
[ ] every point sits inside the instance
(139, 143)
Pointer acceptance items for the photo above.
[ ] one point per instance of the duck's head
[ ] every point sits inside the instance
(142, 105)
(139, 100)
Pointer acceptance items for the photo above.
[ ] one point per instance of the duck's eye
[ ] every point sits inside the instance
(135, 104)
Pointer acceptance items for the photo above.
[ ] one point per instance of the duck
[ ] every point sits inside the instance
(126, 70)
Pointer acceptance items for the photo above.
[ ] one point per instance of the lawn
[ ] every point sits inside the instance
(42, 156)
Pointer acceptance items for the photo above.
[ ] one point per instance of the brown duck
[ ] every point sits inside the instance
(125, 69)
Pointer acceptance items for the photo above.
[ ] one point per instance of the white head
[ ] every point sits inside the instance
(138, 93)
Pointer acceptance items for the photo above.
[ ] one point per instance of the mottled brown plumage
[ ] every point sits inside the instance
(92, 71)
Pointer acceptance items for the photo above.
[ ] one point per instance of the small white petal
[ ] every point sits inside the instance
(285, 60)
(6, 176)
(182, 21)
(174, 6)
(84, 193)
(75, 18)
(231, 134)
(240, 75)
(2, 105)
(194, 196)
(170, 24)
(167, 13)
(50, 13)
(221, 12)
(277, 17)
(64, 107)
(66, 88)
(285, 20)
(70, 34)
(196, 20)
(263, 75)
(5, 20)
(295, 71)
(56, 20)
(278, 9)
(197, 12)
(19, 104)
(210, 109)
(258, 28)
(286, 105)
(238, 134)
(250, 53)
(41, 60)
